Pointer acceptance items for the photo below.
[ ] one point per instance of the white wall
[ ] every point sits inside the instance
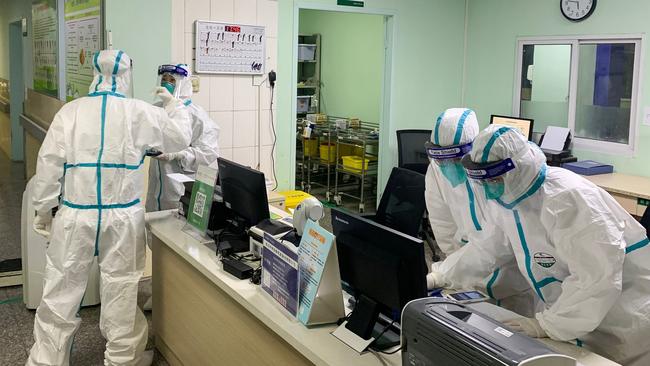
(232, 101)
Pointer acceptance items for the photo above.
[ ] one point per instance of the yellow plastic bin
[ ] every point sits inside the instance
(328, 152)
(310, 147)
(293, 198)
(357, 163)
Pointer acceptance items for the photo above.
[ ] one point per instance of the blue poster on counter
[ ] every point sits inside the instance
(280, 273)
(313, 252)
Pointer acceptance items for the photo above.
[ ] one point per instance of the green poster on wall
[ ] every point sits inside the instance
(83, 36)
(45, 46)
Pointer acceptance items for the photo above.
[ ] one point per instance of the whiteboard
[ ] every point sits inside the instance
(226, 48)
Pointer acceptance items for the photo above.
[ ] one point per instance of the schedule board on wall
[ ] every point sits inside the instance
(83, 39)
(225, 48)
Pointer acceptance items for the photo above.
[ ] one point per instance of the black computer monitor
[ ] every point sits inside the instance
(244, 192)
(525, 125)
(381, 266)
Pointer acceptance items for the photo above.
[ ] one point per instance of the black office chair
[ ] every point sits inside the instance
(645, 221)
(411, 154)
(402, 205)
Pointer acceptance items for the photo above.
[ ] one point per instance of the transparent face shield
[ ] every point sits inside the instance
(448, 160)
(171, 77)
(489, 175)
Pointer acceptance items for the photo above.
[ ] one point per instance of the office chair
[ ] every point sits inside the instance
(411, 154)
(645, 221)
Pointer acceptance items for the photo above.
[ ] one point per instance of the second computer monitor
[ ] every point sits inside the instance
(525, 125)
(244, 191)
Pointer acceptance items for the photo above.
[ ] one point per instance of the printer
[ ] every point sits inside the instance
(556, 144)
(442, 332)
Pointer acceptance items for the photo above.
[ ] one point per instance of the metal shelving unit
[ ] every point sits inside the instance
(366, 140)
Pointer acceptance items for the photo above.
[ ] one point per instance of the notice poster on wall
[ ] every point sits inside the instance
(82, 40)
(44, 31)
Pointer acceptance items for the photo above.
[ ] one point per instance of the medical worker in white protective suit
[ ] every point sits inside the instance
(164, 193)
(456, 220)
(586, 258)
(95, 147)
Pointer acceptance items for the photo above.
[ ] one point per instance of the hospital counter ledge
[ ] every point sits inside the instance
(630, 191)
(201, 314)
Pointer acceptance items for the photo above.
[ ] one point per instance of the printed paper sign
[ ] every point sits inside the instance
(82, 40)
(280, 273)
(312, 255)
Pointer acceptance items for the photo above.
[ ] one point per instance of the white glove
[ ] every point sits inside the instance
(165, 96)
(42, 224)
(435, 280)
(168, 157)
(527, 326)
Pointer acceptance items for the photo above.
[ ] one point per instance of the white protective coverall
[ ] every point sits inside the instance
(90, 166)
(457, 221)
(164, 193)
(586, 258)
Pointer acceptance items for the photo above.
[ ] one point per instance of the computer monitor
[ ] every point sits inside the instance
(244, 192)
(525, 125)
(383, 268)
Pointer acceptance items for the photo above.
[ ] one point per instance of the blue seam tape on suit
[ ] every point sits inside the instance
(100, 93)
(493, 139)
(111, 206)
(99, 173)
(459, 128)
(491, 282)
(436, 140)
(116, 67)
(637, 246)
(472, 207)
(524, 245)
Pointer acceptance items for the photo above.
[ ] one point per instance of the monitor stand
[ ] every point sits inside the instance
(366, 328)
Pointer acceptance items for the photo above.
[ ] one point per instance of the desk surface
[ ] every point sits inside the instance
(316, 343)
(629, 185)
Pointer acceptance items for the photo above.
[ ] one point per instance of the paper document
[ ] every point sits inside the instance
(554, 138)
(181, 178)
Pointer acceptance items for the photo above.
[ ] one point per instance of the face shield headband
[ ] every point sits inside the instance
(486, 171)
(172, 69)
(437, 152)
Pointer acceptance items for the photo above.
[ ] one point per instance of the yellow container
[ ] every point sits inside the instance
(310, 147)
(357, 163)
(328, 152)
(293, 198)
(348, 150)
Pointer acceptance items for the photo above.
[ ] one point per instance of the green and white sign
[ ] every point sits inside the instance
(82, 40)
(356, 3)
(201, 201)
(45, 45)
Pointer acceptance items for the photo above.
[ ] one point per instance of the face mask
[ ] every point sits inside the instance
(454, 172)
(169, 86)
(494, 190)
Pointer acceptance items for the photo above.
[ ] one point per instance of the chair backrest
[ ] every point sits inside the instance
(402, 204)
(645, 221)
(410, 150)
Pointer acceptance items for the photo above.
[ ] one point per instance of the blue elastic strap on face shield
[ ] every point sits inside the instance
(490, 171)
(172, 69)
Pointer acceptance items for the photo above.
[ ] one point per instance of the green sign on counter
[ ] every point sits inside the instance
(356, 3)
(643, 202)
(201, 201)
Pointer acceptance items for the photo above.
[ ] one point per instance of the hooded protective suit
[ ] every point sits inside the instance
(90, 166)
(164, 193)
(586, 258)
(456, 220)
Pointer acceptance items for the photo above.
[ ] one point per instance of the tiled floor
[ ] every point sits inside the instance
(16, 325)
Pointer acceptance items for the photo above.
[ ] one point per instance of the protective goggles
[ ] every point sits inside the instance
(172, 69)
(486, 171)
(438, 152)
